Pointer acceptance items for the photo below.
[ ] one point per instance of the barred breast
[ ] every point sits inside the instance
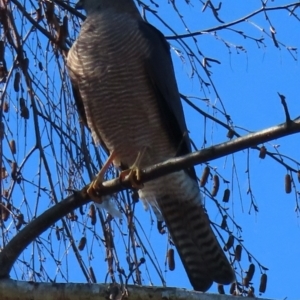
(121, 108)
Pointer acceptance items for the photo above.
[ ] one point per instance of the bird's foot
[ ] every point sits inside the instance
(134, 173)
(134, 176)
(94, 189)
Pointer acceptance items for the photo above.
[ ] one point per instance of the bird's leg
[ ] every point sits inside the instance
(97, 182)
(134, 173)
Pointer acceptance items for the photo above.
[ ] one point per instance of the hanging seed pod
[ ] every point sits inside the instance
(82, 243)
(224, 222)
(135, 196)
(4, 173)
(40, 65)
(5, 106)
(2, 130)
(221, 289)
(288, 183)
(5, 212)
(232, 288)
(25, 112)
(238, 252)
(5, 192)
(12, 146)
(171, 259)
(204, 177)
(230, 134)
(226, 195)
(216, 185)
(246, 281)
(17, 81)
(262, 152)
(2, 49)
(251, 271)
(57, 233)
(263, 283)
(65, 24)
(14, 173)
(20, 221)
(92, 275)
(92, 214)
(229, 243)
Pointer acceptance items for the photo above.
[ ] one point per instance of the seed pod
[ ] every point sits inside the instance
(224, 222)
(232, 288)
(142, 260)
(216, 185)
(230, 134)
(135, 196)
(20, 221)
(221, 289)
(226, 195)
(5, 192)
(204, 177)
(17, 81)
(4, 173)
(12, 146)
(298, 175)
(229, 243)
(288, 183)
(57, 232)
(2, 47)
(5, 106)
(238, 252)
(65, 24)
(14, 172)
(5, 212)
(263, 283)
(92, 275)
(2, 130)
(246, 281)
(82, 243)
(22, 102)
(262, 152)
(251, 271)
(40, 65)
(171, 259)
(25, 112)
(92, 214)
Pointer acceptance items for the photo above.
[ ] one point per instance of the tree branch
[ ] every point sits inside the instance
(10, 290)
(15, 247)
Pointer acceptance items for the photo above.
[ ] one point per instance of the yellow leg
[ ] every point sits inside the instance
(97, 182)
(134, 173)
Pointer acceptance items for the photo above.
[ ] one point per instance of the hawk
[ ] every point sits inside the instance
(121, 68)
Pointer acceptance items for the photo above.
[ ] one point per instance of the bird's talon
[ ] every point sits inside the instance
(93, 191)
(133, 175)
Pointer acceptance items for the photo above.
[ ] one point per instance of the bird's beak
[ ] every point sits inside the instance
(79, 4)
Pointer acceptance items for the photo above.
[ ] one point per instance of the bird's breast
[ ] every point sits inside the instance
(119, 99)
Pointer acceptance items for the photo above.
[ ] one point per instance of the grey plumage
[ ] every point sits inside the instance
(121, 68)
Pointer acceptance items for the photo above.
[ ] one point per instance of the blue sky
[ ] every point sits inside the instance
(248, 82)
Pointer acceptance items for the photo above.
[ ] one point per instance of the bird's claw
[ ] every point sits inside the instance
(93, 190)
(134, 176)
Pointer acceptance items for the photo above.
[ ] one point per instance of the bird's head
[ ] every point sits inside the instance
(119, 5)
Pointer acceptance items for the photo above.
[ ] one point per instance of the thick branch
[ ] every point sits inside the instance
(11, 290)
(15, 247)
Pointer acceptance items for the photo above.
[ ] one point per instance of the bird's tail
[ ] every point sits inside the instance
(179, 200)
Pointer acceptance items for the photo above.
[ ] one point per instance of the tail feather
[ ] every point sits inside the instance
(189, 227)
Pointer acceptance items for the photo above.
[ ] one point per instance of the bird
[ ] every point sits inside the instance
(122, 73)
